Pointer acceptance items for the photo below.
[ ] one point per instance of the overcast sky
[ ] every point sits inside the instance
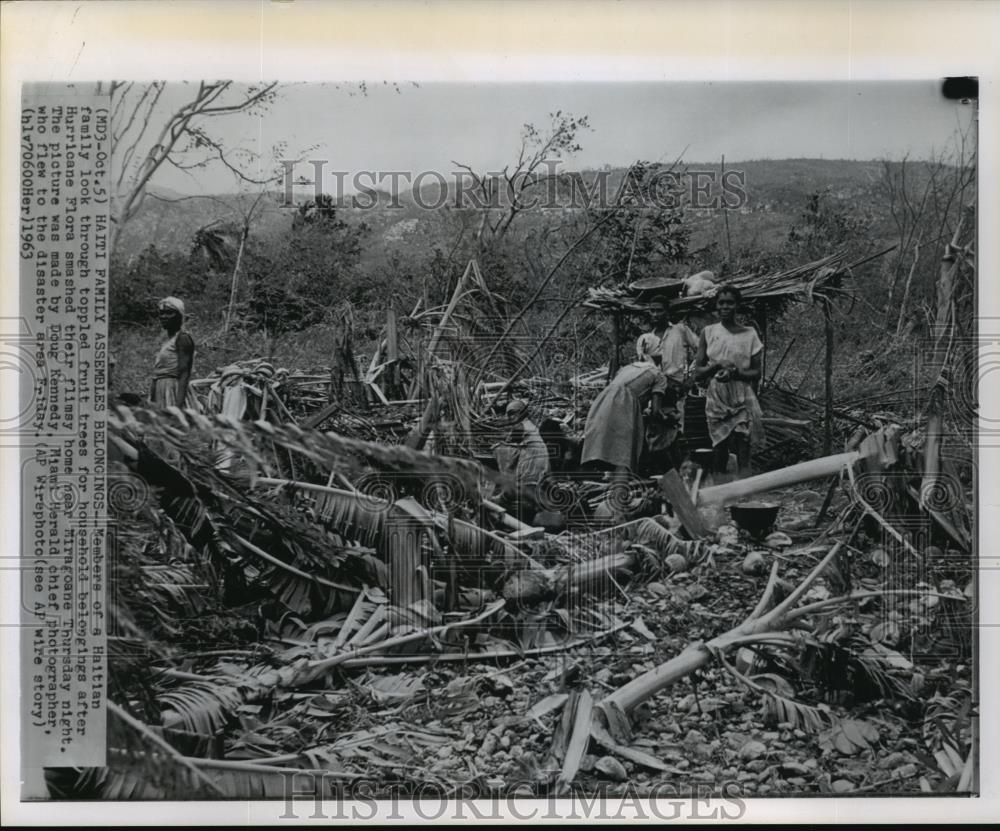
(428, 126)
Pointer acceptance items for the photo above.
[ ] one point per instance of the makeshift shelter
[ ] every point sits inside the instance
(764, 297)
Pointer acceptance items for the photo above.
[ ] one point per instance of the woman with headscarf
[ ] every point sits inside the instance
(175, 360)
(729, 355)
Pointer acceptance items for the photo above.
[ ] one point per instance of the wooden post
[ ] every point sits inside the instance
(828, 325)
(725, 212)
(616, 334)
(392, 353)
(760, 318)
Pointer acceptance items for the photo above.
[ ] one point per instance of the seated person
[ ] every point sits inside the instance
(523, 457)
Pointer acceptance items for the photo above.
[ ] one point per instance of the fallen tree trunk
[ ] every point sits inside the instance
(527, 588)
(697, 655)
(794, 475)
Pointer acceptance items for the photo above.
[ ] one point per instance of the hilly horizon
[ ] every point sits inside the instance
(169, 220)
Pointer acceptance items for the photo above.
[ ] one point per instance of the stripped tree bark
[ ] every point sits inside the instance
(698, 655)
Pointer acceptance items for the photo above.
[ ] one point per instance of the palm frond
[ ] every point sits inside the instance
(778, 703)
(199, 707)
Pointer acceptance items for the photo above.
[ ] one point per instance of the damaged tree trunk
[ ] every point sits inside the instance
(946, 281)
(794, 475)
(439, 329)
(698, 655)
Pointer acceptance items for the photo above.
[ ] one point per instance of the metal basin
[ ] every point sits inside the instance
(756, 518)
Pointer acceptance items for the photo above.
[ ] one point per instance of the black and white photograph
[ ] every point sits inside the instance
(442, 448)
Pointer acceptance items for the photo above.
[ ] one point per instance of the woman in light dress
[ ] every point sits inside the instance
(729, 355)
(614, 433)
(170, 385)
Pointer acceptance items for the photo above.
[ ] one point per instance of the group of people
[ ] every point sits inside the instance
(725, 357)
(671, 359)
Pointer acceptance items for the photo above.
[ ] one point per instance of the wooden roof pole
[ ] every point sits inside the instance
(828, 377)
(616, 335)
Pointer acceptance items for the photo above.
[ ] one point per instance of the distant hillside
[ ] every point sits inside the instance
(777, 187)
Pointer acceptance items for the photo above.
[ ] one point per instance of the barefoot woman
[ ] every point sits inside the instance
(729, 354)
(174, 362)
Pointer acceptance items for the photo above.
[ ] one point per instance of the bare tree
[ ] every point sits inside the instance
(503, 195)
(157, 124)
(927, 201)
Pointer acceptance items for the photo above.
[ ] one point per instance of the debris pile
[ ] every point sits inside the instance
(328, 590)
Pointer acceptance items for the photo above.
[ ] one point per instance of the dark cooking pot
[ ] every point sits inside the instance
(756, 518)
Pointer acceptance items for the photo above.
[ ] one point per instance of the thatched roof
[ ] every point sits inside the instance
(800, 283)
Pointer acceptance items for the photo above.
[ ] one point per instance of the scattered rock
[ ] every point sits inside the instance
(754, 563)
(587, 762)
(752, 750)
(658, 589)
(612, 768)
(795, 768)
(676, 563)
(777, 540)
(841, 786)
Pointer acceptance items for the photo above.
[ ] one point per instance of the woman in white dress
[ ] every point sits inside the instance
(729, 355)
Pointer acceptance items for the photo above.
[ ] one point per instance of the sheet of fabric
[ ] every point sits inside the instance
(614, 431)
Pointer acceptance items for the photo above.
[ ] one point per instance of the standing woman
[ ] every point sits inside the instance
(729, 354)
(174, 362)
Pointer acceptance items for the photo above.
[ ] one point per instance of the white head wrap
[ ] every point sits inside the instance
(174, 303)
